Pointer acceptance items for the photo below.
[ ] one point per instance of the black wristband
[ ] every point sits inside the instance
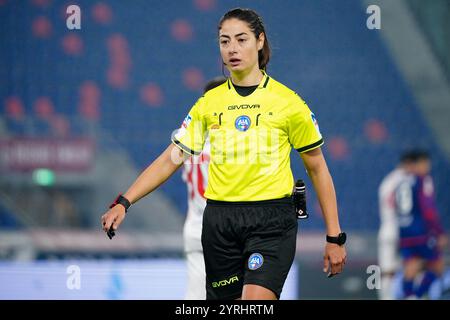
(121, 200)
(339, 240)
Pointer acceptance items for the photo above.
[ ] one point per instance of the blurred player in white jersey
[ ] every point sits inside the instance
(195, 174)
(388, 257)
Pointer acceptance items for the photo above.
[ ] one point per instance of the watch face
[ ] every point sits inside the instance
(342, 238)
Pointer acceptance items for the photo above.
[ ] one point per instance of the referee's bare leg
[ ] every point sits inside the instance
(255, 292)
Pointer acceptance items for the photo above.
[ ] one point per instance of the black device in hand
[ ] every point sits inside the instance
(111, 233)
(299, 196)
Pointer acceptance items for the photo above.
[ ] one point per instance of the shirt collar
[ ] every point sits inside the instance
(262, 84)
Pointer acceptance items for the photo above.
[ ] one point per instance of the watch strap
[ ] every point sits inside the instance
(121, 200)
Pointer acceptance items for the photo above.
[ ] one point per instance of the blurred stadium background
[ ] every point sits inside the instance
(84, 111)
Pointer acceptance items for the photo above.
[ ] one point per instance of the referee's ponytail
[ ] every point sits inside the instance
(256, 25)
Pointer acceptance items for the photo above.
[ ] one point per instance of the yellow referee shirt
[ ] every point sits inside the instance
(251, 139)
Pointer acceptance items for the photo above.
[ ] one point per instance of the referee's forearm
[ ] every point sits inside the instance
(323, 184)
(154, 175)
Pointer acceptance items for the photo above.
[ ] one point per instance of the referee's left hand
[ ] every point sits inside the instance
(113, 218)
(334, 259)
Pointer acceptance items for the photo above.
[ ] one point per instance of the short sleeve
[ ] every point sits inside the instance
(190, 137)
(303, 128)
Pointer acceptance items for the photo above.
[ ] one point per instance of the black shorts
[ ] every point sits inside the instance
(248, 243)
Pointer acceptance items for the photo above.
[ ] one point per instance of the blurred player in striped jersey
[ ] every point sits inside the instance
(415, 224)
(195, 174)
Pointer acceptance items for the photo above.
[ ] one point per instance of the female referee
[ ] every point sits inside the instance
(253, 121)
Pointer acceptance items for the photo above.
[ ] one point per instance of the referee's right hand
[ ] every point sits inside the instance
(113, 218)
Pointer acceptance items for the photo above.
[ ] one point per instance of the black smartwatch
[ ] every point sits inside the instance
(339, 240)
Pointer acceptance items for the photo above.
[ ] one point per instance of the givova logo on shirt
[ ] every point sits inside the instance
(255, 261)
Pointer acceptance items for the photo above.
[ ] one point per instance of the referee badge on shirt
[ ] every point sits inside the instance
(242, 123)
(255, 261)
(316, 124)
(186, 121)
